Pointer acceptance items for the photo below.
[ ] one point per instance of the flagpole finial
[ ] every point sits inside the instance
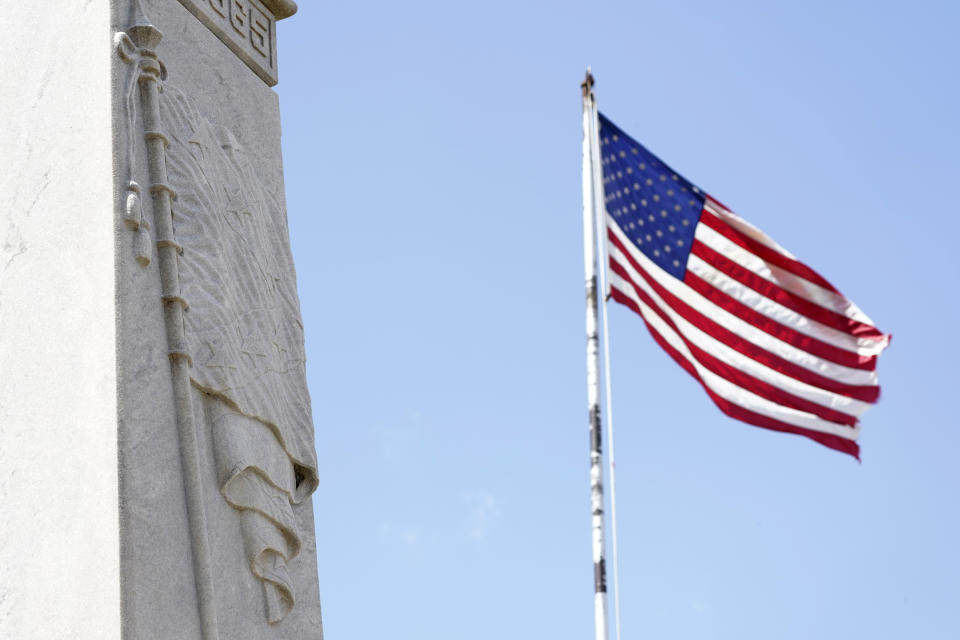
(587, 84)
(143, 33)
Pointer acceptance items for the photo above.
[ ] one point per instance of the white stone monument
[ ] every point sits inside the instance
(156, 440)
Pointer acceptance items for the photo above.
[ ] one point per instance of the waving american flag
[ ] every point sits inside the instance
(771, 341)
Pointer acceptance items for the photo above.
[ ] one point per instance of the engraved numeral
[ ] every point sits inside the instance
(260, 32)
(247, 27)
(240, 16)
(220, 6)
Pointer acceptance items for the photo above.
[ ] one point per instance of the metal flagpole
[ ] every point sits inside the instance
(601, 225)
(593, 360)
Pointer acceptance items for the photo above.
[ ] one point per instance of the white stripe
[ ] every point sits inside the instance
(734, 358)
(781, 314)
(744, 227)
(742, 328)
(728, 390)
(780, 277)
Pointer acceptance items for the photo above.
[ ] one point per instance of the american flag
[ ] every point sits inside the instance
(771, 341)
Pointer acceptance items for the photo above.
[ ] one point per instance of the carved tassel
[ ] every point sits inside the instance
(133, 210)
(142, 249)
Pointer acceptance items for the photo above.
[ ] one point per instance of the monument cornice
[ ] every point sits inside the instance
(281, 8)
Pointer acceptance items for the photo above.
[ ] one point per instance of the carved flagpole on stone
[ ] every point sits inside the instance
(138, 46)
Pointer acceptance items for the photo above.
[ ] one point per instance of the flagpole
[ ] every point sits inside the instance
(593, 361)
(601, 226)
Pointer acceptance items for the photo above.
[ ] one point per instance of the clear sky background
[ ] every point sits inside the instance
(432, 156)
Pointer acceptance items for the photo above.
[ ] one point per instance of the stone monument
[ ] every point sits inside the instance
(156, 438)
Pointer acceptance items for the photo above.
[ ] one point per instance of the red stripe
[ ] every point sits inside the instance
(782, 332)
(866, 393)
(766, 390)
(758, 420)
(718, 203)
(626, 300)
(735, 411)
(763, 251)
(786, 298)
(739, 377)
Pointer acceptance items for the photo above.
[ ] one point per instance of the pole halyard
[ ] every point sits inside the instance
(593, 358)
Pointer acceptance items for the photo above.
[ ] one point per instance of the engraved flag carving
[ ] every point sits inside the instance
(245, 334)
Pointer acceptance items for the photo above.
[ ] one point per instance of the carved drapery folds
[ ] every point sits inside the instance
(257, 479)
(245, 336)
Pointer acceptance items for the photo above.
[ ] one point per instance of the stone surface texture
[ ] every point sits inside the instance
(59, 566)
(95, 539)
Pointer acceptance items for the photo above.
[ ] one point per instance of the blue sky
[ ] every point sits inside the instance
(432, 159)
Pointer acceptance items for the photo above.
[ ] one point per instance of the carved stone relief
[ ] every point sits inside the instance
(232, 321)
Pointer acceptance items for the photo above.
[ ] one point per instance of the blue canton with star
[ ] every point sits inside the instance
(652, 204)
